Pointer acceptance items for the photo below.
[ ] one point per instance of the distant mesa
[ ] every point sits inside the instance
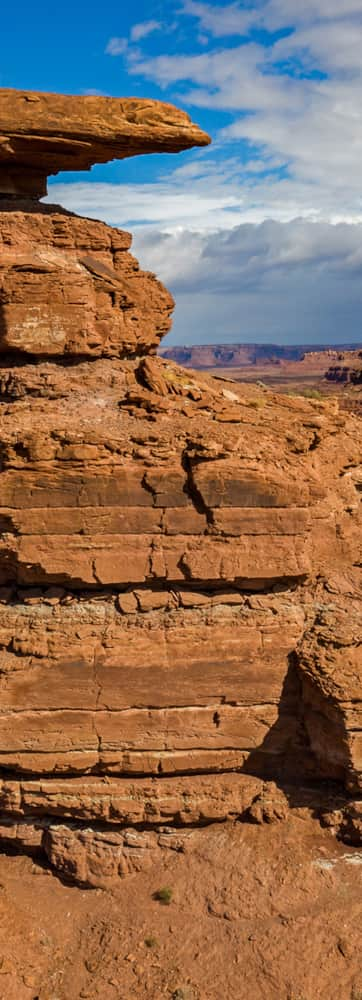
(243, 354)
(346, 368)
(41, 134)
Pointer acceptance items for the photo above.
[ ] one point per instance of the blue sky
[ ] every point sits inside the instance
(259, 236)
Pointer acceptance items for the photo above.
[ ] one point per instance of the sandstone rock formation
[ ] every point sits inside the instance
(41, 134)
(179, 563)
(70, 288)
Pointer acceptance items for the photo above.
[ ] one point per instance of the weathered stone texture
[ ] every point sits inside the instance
(41, 134)
(179, 589)
(70, 287)
(179, 569)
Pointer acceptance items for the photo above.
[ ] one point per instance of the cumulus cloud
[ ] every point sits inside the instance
(298, 282)
(279, 12)
(170, 204)
(117, 46)
(297, 98)
(144, 29)
(294, 281)
(239, 18)
(209, 193)
(253, 254)
(221, 21)
(259, 238)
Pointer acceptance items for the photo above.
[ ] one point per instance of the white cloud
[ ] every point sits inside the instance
(221, 21)
(236, 277)
(277, 13)
(298, 282)
(144, 29)
(261, 237)
(117, 46)
(167, 204)
(250, 255)
(228, 79)
(237, 19)
(205, 193)
(308, 119)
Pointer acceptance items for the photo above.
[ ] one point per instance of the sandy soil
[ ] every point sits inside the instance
(257, 913)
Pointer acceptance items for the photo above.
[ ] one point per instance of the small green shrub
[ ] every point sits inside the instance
(311, 394)
(257, 404)
(163, 895)
(151, 942)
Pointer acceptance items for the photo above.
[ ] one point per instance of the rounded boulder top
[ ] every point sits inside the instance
(41, 134)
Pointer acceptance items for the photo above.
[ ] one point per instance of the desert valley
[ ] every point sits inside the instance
(329, 371)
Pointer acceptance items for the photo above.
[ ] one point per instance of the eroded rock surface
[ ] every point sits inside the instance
(180, 558)
(41, 134)
(70, 289)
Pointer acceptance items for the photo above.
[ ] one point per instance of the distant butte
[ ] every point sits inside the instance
(41, 134)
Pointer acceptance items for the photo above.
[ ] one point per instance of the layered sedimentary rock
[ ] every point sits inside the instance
(201, 356)
(70, 288)
(346, 368)
(179, 569)
(41, 134)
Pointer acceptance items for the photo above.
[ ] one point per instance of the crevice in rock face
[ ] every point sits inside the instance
(193, 492)
(20, 360)
(60, 592)
(315, 442)
(265, 766)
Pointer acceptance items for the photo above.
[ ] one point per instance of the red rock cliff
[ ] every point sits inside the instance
(179, 567)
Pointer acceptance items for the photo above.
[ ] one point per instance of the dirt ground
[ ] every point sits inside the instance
(257, 913)
(297, 378)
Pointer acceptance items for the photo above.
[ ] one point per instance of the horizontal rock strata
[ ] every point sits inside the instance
(179, 569)
(174, 575)
(346, 368)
